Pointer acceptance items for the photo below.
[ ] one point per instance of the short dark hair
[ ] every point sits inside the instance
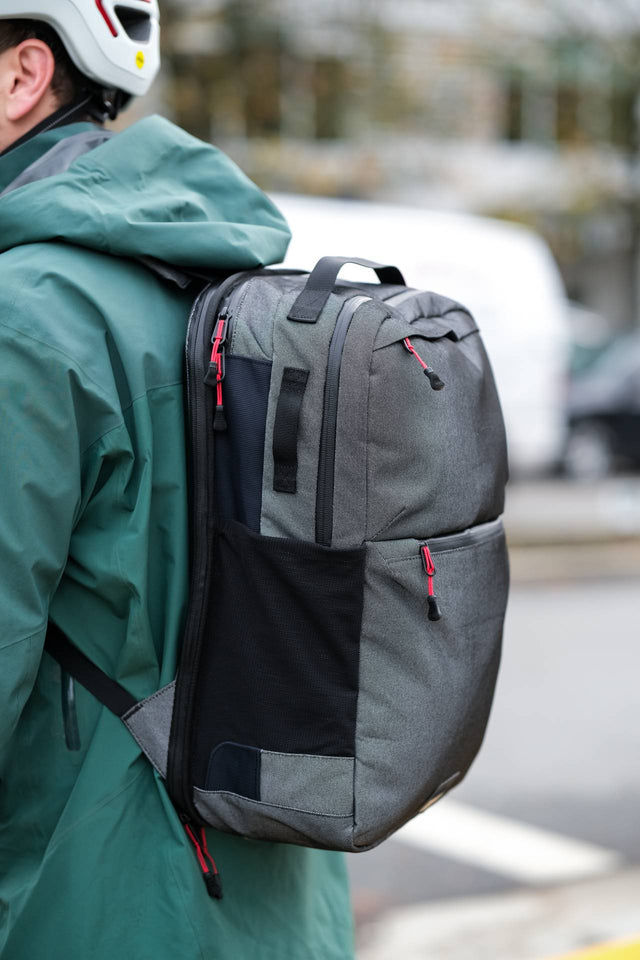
(68, 83)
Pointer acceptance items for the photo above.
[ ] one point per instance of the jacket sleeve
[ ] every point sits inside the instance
(39, 498)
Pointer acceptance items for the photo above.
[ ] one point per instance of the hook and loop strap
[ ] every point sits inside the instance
(286, 428)
(322, 280)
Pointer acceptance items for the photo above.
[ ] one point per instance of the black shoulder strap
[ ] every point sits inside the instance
(95, 680)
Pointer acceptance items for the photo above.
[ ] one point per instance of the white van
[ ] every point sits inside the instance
(504, 273)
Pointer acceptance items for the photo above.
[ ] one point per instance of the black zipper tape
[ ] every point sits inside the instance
(326, 462)
(466, 538)
(200, 415)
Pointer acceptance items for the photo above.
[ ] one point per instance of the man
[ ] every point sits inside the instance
(93, 507)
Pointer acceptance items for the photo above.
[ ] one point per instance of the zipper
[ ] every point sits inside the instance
(430, 570)
(453, 541)
(200, 414)
(208, 868)
(465, 538)
(216, 372)
(434, 379)
(69, 711)
(326, 462)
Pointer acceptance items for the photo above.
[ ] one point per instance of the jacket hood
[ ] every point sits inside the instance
(151, 191)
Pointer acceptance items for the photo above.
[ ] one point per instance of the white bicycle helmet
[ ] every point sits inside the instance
(116, 43)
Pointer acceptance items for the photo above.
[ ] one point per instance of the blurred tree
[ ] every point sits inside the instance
(611, 29)
(608, 32)
(226, 60)
(255, 42)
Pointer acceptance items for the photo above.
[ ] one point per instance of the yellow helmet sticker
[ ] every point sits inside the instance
(140, 59)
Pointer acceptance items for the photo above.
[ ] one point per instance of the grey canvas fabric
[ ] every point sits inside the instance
(410, 741)
(417, 481)
(263, 821)
(304, 346)
(437, 463)
(351, 499)
(149, 722)
(314, 784)
(425, 695)
(413, 467)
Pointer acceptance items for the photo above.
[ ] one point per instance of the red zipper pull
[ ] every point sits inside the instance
(215, 374)
(430, 570)
(207, 863)
(434, 379)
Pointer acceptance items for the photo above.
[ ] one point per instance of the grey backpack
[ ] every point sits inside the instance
(349, 573)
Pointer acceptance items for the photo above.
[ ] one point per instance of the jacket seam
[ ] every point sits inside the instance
(58, 838)
(186, 905)
(54, 349)
(118, 426)
(26, 639)
(76, 365)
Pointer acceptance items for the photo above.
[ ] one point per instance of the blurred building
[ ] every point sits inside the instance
(526, 109)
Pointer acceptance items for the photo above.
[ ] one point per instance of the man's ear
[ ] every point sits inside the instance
(28, 81)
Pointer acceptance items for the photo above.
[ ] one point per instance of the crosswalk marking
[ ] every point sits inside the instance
(621, 950)
(505, 846)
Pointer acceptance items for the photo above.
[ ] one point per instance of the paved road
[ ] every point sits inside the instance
(562, 755)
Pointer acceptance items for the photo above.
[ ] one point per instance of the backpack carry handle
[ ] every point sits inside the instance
(322, 280)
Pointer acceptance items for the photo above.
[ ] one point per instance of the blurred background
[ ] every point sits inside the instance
(492, 150)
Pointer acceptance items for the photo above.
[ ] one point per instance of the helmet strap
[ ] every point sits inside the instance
(107, 104)
(71, 113)
(95, 103)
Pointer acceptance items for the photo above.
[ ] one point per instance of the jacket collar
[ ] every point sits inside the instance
(15, 160)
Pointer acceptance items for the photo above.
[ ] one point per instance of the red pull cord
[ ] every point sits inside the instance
(434, 379)
(205, 850)
(206, 861)
(430, 570)
(217, 361)
(429, 567)
(216, 358)
(410, 347)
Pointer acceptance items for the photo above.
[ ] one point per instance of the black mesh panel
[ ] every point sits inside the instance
(279, 668)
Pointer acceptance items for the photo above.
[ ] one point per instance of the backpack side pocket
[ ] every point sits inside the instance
(426, 684)
(280, 657)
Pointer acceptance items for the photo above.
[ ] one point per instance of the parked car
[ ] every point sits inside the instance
(603, 412)
(504, 273)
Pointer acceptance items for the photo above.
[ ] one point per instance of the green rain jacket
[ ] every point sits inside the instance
(94, 862)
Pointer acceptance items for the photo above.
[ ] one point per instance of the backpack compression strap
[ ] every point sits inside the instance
(95, 680)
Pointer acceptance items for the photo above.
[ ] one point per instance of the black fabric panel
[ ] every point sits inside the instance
(280, 659)
(235, 768)
(92, 678)
(240, 449)
(285, 430)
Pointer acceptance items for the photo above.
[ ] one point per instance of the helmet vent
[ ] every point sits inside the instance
(136, 25)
